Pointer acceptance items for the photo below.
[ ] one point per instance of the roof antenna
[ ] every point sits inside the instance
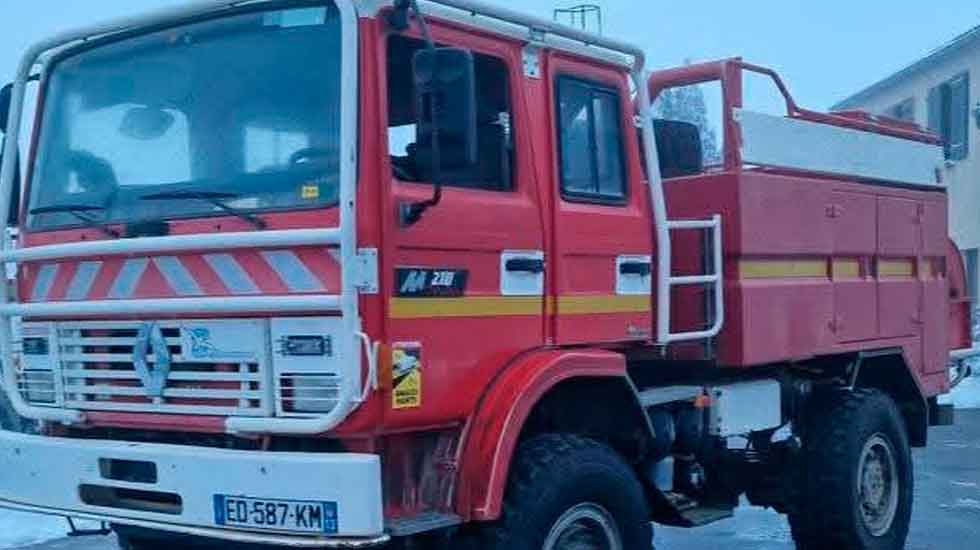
(583, 16)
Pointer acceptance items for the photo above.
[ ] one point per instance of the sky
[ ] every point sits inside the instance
(825, 49)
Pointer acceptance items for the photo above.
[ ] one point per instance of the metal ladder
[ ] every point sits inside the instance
(715, 312)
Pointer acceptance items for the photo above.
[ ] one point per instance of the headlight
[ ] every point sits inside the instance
(36, 346)
(306, 393)
(37, 386)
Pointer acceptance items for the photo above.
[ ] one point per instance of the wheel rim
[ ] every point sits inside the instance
(878, 485)
(584, 527)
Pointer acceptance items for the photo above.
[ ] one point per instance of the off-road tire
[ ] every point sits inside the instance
(552, 475)
(826, 510)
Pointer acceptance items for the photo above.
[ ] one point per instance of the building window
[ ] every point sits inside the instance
(902, 111)
(591, 139)
(949, 115)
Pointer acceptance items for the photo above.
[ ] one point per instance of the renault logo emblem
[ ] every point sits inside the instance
(150, 339)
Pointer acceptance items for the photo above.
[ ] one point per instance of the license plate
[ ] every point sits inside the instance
(292, 516)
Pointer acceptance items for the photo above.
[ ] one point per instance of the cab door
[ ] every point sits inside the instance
(468, 277)
(603, 277)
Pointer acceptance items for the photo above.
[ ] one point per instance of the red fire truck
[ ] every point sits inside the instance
(348, 273)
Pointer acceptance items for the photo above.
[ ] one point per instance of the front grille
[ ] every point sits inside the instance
(98, 373)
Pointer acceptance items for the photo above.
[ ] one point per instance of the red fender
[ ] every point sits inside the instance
(493, 430)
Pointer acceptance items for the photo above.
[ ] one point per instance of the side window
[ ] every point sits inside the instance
(700, 105)
(493, 170)
(590, 132)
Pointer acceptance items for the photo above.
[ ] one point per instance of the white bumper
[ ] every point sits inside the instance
(46, 475)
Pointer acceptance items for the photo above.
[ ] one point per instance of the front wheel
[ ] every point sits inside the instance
(856, 481)
(571, 493)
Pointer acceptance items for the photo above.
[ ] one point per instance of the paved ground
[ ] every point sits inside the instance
(947, 506)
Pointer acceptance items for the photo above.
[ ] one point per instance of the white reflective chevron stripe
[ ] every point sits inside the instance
(83, 280)
(128, 278)
(44, 281)
(296, 276)
(177, 276)
(235, 279)
(292, 271)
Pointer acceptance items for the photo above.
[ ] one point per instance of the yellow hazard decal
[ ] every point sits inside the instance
(406, 365)
(311, 192)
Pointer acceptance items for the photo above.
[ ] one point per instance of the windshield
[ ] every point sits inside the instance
(245, 108)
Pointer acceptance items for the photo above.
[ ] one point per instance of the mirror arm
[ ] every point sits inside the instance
(411, 213)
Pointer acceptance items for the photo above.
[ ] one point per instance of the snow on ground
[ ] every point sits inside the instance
(967, 395)
(19, 529)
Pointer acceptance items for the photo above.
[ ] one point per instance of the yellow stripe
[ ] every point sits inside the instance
(782, 269)
(494, 306)
(896, 268)
(846, 269)
(583, 305)
(481, 306)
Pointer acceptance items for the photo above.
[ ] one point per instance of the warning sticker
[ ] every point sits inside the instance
(406, 364)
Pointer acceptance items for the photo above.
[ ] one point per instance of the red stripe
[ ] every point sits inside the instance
(206, 278)
(323, 266)
(153, 285)
(105, 278)
(264, 276)
(61, 281)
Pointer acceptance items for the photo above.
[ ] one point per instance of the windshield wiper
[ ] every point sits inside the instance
(80, 211)
(214, 198)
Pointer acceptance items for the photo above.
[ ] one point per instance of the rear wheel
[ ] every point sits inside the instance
(571, 493)
(855, 487)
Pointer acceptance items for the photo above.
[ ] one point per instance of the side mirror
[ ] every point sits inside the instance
(5, 94)
(445, 99)
(679, 148)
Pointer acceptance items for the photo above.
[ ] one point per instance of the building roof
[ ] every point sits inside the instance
(935, 57)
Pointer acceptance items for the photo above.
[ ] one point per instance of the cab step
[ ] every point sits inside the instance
(697, 517)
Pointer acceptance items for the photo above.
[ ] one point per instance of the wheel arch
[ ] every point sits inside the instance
(889, 372)
(521, 401)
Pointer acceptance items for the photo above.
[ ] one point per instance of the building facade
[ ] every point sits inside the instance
(942, 92)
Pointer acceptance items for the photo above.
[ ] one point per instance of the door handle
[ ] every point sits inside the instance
(525, 265)
(642, 269)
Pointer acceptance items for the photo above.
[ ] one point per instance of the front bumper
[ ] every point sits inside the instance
(52, 476)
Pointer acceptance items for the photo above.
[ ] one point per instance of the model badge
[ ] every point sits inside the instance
(150, 339)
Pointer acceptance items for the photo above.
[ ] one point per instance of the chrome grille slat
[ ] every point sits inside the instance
(99, 374)
(203, 410)
(133, 391)
(108, 341)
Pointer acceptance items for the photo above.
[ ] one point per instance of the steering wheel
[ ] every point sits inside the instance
(307, 154)
(96, 176)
